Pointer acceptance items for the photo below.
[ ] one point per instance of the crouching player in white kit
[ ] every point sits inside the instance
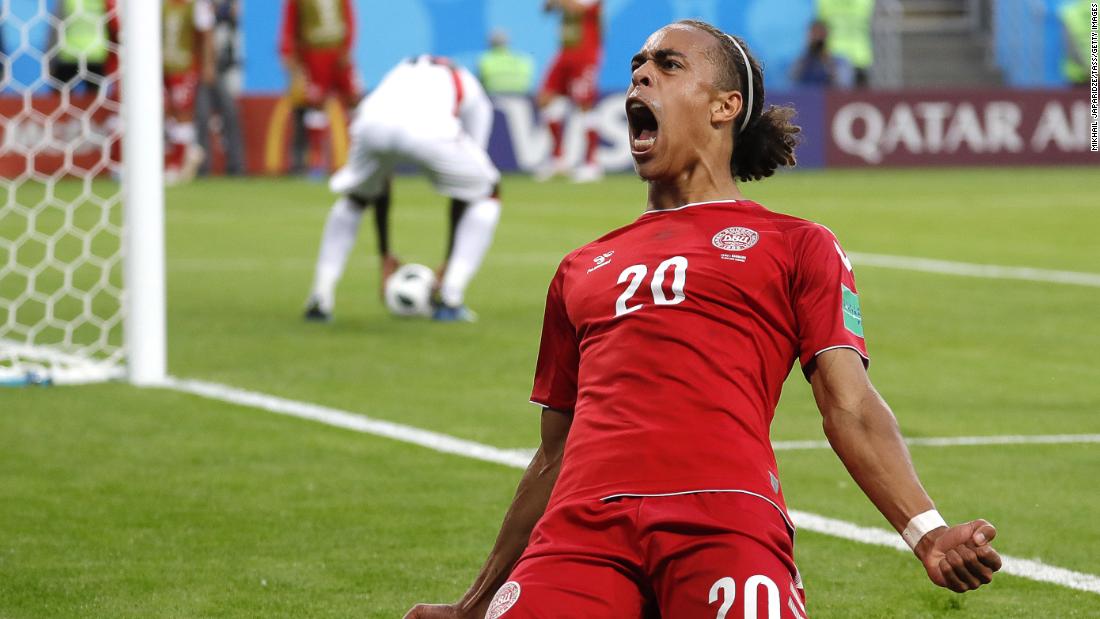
(433, 113)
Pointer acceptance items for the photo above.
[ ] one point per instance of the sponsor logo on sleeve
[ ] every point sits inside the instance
(853, 317)
(504, 600)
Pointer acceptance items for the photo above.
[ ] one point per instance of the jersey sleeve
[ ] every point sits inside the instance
(826, 301)
(559, 353)
(476, 111)
(288, 31)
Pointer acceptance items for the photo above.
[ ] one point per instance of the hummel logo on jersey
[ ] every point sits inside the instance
(735, 239)
(602, 260)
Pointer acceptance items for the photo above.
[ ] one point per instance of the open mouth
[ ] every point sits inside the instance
(643, 126)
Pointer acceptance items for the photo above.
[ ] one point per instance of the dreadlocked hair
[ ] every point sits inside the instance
(769, 140)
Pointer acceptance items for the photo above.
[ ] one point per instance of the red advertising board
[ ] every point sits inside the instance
(958, 127)
(57, 133)
(864, 128)
(82, 134)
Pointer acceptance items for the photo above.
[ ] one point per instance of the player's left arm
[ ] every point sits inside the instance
(864, 433)
(205, 19)
(349, 33)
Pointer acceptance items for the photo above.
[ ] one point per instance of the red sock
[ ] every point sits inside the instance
(557, 132)
(176, 151)
(593, 146)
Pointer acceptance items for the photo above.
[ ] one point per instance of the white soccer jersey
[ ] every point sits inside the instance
(430, 95)
(427, 111)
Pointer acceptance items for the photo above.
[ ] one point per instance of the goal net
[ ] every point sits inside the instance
(67, 295)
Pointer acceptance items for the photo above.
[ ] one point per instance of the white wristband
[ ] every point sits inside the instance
(920, 525)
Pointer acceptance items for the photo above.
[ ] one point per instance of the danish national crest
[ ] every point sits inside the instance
(506, 597)
(735, 239)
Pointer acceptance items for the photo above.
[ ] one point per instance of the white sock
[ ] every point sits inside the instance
(182, 133)
(473, 235)
(337, 241)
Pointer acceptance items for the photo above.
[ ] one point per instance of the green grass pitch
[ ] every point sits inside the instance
(122, 502)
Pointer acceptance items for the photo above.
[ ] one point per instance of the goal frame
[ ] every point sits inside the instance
(144, 305)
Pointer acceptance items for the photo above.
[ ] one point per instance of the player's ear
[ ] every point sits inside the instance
(725, 107)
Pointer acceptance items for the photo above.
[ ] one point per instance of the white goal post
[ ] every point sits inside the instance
(82, 266)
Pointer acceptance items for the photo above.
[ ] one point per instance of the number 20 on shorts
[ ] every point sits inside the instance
(724, 590)
(635, 275)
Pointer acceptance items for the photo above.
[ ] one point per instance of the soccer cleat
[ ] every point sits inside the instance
(588, 173)
(315, 312)
(458, 313)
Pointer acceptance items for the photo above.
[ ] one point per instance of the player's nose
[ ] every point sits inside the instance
(642, 76)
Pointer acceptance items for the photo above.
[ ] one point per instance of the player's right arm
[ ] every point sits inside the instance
(527, 507)
(860, 426)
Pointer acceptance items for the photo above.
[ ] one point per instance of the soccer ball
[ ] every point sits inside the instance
(409, 290)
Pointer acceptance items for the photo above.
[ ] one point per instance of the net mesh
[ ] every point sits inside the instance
(61, 293)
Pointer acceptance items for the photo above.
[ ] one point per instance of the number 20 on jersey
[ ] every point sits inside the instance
(634, 276)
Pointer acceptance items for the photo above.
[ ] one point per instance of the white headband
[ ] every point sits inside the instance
(748, 77)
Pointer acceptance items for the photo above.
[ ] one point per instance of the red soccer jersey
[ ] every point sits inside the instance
(670, 339)
(580, 32)
(312, 25)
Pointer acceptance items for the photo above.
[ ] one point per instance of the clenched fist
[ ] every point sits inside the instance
(960, 558)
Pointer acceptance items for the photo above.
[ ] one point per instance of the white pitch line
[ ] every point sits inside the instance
(516, 458)
(968, 269)
(957, 441)
(350, 421)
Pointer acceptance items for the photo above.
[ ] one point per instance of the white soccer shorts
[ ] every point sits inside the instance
(457, 166)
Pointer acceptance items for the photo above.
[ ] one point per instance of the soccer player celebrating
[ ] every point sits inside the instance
(433, 113)
(573, 76)
(664, 349)
(315, 46)
(188, 48)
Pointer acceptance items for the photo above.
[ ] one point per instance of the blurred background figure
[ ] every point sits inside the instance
(188, 47)
(848, 24)
(504, 71)
(816, 67)
(432, 113)
(315, 45)
(1076, 17)
(573, 76)
(81, 43)
(216, 107)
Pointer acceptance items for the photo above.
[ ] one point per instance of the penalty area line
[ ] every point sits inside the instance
(960, 441)
(968, 269)
(518, 458)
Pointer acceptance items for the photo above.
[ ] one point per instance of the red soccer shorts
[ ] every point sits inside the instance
(180, 91)
(574, 75)
(724, 555)
(328, 73)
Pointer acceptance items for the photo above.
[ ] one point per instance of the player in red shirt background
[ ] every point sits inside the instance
(315, 45)
(665, 346)
(188, 48)
(573, 77)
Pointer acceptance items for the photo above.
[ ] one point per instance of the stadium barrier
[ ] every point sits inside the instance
(840, 129)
